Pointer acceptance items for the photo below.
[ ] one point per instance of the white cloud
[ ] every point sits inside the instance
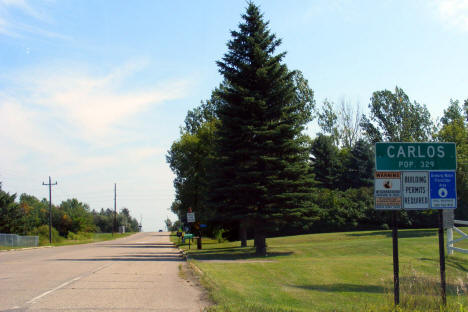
(453, 13)
(24, 6)
(90, 105)
(23, 127)
(82, 128)
(69, 118)
(18, 18)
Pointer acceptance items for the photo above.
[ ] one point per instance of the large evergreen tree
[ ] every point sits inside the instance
(261, 176)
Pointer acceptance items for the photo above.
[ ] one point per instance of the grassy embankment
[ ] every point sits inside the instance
(85, 238)
(80, 238)
(331, 272)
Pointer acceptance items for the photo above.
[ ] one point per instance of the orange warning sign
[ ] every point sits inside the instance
(387, 175)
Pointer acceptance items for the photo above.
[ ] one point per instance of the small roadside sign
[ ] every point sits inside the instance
(190, 217)
(443, 192)
(387, 190)
(415, 190)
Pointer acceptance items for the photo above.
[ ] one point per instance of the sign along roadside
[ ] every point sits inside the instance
(403, 156)
(415, 190)
(387, 190)
(190, 217)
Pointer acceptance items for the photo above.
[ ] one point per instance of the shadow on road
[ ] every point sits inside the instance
(158, 245)
(131, 258)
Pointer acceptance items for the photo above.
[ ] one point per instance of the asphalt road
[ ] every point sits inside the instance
(136, 273)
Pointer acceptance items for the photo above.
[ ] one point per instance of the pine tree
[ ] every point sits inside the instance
(261, 176)
(325, 164)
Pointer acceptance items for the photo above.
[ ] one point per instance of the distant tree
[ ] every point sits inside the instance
(341, 123)
(328, 121)
(168, 223)
(303, 102)
(393, 117)
(453, 125)
(190, 158)
(325, 161)
(80, 215)
(454, 128)
(10, 214)
(261, 173)
(349, 121)
(361, 164)
(35, 212)
(198, 116)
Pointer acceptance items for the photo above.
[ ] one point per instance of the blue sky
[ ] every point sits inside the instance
(94, 92)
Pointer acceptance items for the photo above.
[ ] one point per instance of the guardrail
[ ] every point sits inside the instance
(14, 240)
(451, 242)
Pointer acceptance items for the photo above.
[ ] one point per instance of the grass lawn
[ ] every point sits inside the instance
(331, 272)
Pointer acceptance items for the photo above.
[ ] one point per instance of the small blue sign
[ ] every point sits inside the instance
(203, 226)
(443, 192)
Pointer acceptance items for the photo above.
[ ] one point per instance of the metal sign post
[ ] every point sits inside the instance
(442, 257)
(415, 176)
(396, 263)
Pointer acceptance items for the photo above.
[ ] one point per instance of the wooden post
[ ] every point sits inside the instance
(396, 266)
(442, 258)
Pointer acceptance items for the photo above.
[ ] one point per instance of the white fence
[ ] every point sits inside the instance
(451, 242)
(13, 240)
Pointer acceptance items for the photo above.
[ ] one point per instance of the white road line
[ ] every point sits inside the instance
(66, 283)
(52, 290)
(99, 269)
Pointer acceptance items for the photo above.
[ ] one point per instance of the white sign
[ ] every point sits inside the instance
(415, 189)
(190, 217)
(387, 190)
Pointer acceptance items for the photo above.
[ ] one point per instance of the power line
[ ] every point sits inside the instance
(50, 184)
(115, 208)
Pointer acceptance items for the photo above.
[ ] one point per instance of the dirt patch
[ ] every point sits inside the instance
(192, 275)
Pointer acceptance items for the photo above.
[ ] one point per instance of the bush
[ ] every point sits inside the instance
(43, 233)
(79, 236)
(219, 235)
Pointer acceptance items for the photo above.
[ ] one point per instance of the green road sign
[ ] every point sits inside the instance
(415, 156)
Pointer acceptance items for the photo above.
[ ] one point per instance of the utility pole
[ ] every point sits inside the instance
(115, 208)
(50, 184)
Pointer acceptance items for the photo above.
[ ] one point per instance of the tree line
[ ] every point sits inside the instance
(30, 216)
(246, 167)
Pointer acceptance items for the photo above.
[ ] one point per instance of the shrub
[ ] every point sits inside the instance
(219, 235)
(79, 236)
(43, 233)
